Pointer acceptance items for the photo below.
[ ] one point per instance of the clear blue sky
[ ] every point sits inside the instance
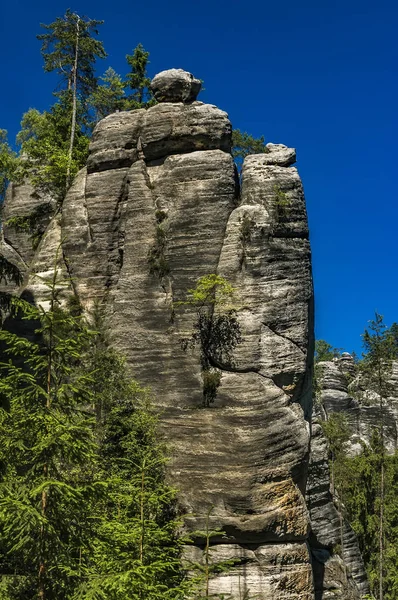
(318, 76)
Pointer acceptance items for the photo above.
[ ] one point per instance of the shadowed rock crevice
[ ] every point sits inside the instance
(165, 177)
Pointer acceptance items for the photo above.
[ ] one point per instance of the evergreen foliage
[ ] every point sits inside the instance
(84, 509)
(324, 351)
(137, 80)
(48, 454)
(244, 144)
(109, 96)
(8, 163)
(59, 44)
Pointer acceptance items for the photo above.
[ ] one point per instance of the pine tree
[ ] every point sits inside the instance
(244, 144)
(137, 79)
(70, 48)
(48, 454)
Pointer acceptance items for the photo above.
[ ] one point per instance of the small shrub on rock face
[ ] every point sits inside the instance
(158, 264)
(211, 383)
(282, 201)
(216, 330)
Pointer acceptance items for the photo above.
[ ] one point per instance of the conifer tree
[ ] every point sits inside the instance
(70, 48)
(137, 79)
(109, 96)
(48, 454)
(136, 551)
(244, 144)
(376, 369)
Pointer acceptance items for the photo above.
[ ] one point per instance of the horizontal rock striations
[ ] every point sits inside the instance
(158, 206)
(338, 568)
(342, 390)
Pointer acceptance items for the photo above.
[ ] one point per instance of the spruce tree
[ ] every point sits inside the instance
(48, 455)
(137, 80)
(136, 550)
(109, 96)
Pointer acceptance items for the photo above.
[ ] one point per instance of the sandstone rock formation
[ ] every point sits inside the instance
(338, 568)
(342, 390)
(158, 206)
(175, 85)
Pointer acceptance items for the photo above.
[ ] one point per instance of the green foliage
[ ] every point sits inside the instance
(325, 352)
(8, 163)
(361, 480)
(109, 96)
(44, 143)
(244, 144)
(136, 554)
(281, 200)
(137, 79)
(59, 46)
(84, 509)
(48, 454)
(209, 565)
(337, 433)
(216, 329)
(211, 383)
(157, 261)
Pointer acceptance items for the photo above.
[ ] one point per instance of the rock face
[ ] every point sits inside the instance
(158, 206)
(338, 568)
(175, 85)
(341, 390)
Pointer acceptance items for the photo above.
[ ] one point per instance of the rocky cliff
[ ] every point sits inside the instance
(159, 205)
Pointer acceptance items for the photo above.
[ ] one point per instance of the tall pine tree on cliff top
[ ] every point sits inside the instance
(70, 48)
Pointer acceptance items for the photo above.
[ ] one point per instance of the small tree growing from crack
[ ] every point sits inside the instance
(216, 330)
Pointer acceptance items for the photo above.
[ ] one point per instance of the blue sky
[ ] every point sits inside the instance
(318, 76)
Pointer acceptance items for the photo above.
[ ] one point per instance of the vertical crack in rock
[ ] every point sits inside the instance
(247, 454)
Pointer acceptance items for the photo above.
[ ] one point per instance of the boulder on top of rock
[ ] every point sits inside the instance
(278, 155)
(175, 85)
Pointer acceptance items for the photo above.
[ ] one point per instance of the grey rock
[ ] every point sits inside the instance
(175, 85)
(121, 139)
(343, 391)
(21, 201)
(248, 454)
(279, 155)
(334, 576)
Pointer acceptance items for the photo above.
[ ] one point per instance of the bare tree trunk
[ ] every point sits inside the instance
(74, 103)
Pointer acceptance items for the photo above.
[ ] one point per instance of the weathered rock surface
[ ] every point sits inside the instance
(341, 390)
(338, 568)
(247, 454)
(175, 85)
(21, 201)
